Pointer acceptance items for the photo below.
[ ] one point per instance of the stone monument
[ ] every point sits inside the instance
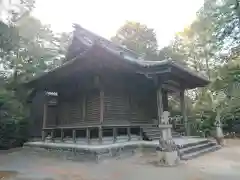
(219, 132)
(167, 150)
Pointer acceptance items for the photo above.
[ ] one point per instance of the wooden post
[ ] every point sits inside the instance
(74, 135)
(114, 134)
(52, 134)
(45, 105)
(184, 112)
(62, 135)
(88, 135)
(100, 134)
(84, 108)
(43, 135)
(165, 100)
(101, 115)
(45, 108)
(129, 133)
(140, 133)
(159, 104)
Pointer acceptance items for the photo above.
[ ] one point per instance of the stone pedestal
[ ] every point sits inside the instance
(167, 151)
(171, 158)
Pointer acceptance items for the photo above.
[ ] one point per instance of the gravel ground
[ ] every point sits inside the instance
(28, 165)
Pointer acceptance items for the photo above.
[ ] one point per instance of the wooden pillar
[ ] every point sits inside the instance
(100, 134)
(159, 103)
(100, 87)
(52, 134)
(74, 135)
(129, 133)
(88, 135)
(45, 108)
(184, 112)
(62, 135)
(165, 100)
(43, 135)
(114, 134)
(140, 133)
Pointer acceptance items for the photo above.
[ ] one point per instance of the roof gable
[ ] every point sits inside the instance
(85, 43)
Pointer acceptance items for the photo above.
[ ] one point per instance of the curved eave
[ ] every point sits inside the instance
(183, 75)
(199, 77)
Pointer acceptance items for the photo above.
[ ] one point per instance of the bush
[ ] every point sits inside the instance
(13, 133)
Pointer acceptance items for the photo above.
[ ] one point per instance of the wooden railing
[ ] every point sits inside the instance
(88, 128)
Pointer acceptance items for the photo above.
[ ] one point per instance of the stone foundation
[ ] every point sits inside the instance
(82, 154)
(97, 153)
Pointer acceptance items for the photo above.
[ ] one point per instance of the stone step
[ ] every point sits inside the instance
(194, 144)
(197, 147)
(200, 152)
(174, 134)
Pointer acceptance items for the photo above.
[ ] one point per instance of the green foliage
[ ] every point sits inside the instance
(210, 45)
(169, 53)
(13, 133)
(13, 119)
(139, 38)
(27, 49)
(228, 81)
(142, 40)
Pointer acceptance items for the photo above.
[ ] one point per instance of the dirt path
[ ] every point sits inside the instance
(220, 165)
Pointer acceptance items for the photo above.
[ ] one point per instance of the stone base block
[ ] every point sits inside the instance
(172, 158)
(168, 158)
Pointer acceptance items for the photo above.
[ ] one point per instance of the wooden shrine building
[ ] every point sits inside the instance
(105, 90)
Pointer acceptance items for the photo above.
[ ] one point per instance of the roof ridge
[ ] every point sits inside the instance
(103, 40)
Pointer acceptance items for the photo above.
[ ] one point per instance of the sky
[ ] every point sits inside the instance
(104, 17)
